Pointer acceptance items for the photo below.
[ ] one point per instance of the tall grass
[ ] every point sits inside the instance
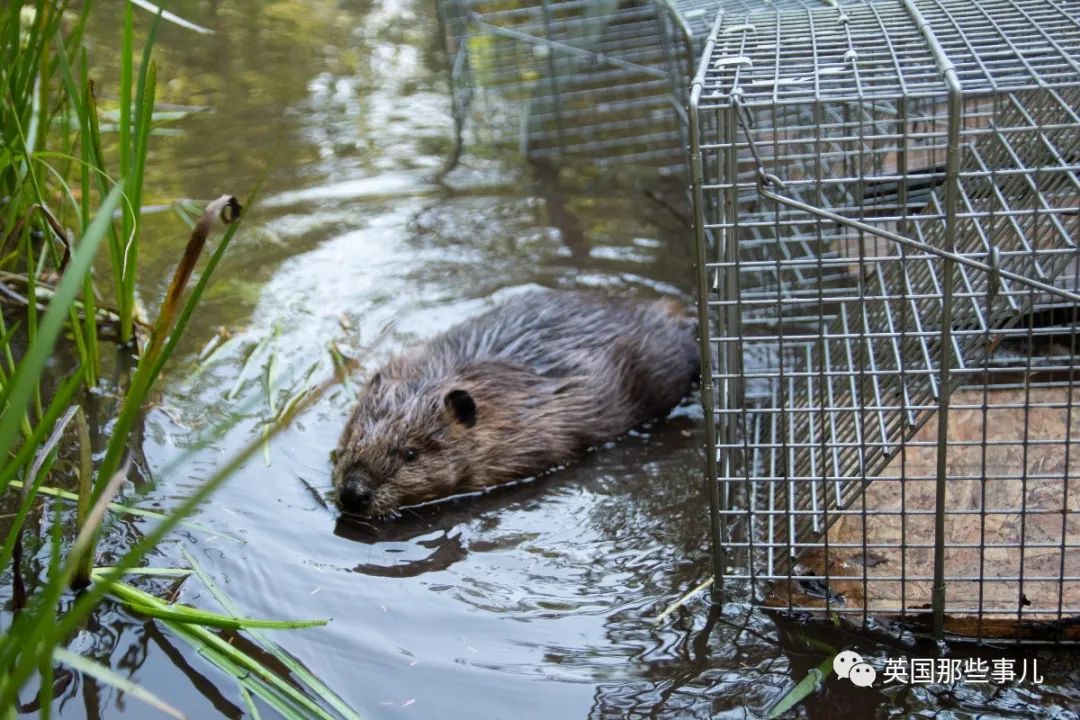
(66, 192)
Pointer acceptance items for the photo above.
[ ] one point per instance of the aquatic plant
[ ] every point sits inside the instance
(70, 184)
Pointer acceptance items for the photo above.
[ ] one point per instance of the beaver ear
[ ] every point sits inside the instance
(461, 403)
(375, 381)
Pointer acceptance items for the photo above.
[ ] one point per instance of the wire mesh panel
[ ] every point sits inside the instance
(600, 80)
(699, 15)
(887, 201)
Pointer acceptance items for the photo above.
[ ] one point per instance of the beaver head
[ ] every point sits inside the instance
(406, 442)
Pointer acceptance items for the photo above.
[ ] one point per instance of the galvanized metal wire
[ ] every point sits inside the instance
(603, 82)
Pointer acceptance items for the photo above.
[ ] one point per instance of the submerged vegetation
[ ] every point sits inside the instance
(72, 169)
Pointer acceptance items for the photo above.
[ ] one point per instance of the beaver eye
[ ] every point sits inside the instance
(410, 454)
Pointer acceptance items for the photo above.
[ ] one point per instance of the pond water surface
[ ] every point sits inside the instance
(534, 601)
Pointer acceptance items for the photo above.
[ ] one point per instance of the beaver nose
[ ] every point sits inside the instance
(354, 496)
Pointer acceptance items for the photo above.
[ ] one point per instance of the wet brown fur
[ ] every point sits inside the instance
(526, 386)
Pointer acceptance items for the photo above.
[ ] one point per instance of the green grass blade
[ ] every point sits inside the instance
(269, 695)
(274, 698)
(114, 679)
(132, 510)
(193, 616)
(142, 123)
(29, 370)
(249, 703)
(249, 364)
(79, 103)
(147, 604)
(43, 461)
(5, 342)
(86, 488)
(54, 563)
(145, 92)
(42, 630)
(143, 571)
(687, 597)
(803, 689)
(247, 663)
(92, 139)
(234, 654)
(61, 400)
(76, 31)
(296, 668)
(129, 220)
(127, 59)
(45, 693)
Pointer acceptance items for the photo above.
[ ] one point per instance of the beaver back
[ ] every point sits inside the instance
(512, 392)
(631, 360)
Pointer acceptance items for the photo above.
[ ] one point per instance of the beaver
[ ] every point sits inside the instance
(517, 390)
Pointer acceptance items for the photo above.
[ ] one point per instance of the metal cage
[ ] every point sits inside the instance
(599, 81)
(887, 204)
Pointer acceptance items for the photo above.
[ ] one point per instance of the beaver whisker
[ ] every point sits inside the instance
(358, 519)
(322, 496)
(511, 393)
(357, 523)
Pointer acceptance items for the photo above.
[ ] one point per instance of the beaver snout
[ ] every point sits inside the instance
(355, 494)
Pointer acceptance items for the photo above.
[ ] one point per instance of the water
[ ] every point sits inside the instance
(532, 601)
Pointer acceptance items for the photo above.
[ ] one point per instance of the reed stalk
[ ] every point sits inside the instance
(65, 195)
